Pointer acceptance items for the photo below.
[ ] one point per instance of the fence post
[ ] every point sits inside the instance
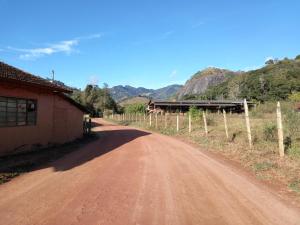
(177, 123)
(248, 123)
(280, 132)
(205, 123)
(190, 123)
(150, 119)
(156, 120)
(225, 124)
(166, 121)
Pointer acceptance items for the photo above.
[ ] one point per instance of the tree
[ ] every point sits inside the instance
(270, 62)
(96, 99)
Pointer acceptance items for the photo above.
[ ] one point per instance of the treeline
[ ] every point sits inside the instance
(277, 80)
(97, 100)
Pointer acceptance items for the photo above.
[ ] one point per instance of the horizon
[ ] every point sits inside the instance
(142, 44)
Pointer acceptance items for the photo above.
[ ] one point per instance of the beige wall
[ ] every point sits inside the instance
(58, 121)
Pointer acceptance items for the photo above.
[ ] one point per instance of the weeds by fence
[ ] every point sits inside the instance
(258, 127)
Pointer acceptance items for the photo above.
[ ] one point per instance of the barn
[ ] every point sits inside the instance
(35, 112)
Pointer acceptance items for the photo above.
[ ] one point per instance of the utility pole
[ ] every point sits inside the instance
(52, 76)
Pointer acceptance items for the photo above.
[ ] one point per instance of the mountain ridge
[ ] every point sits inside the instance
(122, 92)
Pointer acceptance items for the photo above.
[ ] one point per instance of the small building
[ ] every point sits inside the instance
(183, 106)
(35, 112)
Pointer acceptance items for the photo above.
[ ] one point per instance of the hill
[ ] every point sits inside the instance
(120, 93)
(134, 100)
(203, 80)
(277, 80)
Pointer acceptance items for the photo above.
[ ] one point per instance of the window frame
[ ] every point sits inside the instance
(27, 100)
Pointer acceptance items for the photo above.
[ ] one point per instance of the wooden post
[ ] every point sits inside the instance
(205, 123)
(280, 132)
(248, 123)
(190, 123)
(225, 124)
(144, 117)
(177, 123)
(156, 120)
(150, 119)
(166, 121)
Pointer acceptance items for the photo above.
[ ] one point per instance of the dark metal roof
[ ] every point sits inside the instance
(15, 75)
(226, 103)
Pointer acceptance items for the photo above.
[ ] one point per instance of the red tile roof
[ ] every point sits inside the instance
(12, 74)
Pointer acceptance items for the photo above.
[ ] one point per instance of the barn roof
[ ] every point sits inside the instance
(15, 75)
(198, 103)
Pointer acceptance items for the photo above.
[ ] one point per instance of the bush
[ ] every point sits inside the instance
(270, 132)
(135, 108)
(196, 114)
(294, 97)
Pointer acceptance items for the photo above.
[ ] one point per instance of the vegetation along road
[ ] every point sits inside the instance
(130, 176)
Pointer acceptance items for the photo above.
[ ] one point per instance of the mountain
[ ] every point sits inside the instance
(134, 100)
(204, 79)
(120, 93)
(166, 92)
(277, 80)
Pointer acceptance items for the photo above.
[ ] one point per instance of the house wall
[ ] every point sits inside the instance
(58, 121)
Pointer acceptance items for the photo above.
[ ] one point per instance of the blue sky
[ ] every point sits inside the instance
(144, 43)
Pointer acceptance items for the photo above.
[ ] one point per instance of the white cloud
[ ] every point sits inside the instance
(94, 80)
(67, 47)
(173, 74)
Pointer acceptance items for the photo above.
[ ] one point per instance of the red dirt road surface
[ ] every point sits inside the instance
(130, 176)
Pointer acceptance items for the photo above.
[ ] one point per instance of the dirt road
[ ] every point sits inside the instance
(134, 177)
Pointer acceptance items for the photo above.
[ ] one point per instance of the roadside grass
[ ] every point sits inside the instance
(295, 186)
(14, 165)
(263, 159)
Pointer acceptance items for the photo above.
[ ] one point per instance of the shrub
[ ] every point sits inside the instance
(135, 108)
(294, 97)
(270, 131)
(195, 113)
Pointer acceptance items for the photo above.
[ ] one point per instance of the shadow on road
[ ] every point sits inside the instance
(108, 141)
(68, 156)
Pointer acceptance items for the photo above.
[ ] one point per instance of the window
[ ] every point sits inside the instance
(17, 112)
